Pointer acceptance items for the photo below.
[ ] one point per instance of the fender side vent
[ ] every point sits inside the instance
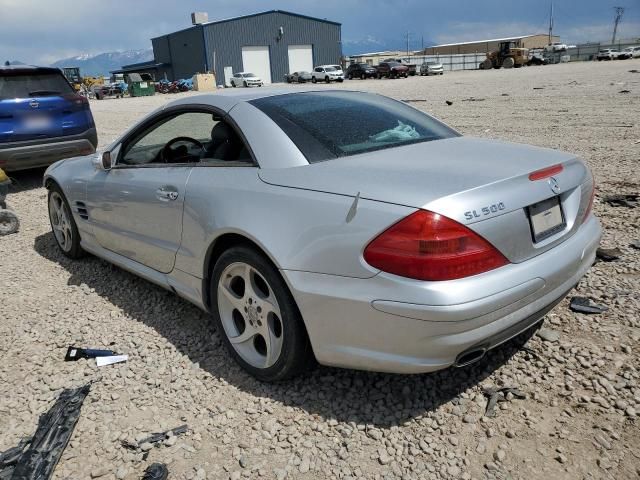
(81, 209)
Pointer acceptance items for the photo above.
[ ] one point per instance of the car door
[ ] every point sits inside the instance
(137, 205)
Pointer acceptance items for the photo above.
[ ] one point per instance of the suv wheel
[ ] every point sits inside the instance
(257, 317)
(313, 80)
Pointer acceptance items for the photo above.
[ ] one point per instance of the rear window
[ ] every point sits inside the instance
(329, 125)
(33, 85)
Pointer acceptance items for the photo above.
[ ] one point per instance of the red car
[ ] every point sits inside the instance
(392, 70)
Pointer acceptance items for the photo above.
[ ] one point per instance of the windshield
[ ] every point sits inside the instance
(249, 75)
(33, 85)
(329, 69)
(432, 63)
(329, 125)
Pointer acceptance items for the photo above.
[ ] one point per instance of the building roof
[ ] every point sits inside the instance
(134, 67)
(242, 17)
(515, 37)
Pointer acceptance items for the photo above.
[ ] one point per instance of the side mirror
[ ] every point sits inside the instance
(106, 160)
(102, 160)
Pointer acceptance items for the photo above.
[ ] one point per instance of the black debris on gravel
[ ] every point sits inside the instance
(584, 305)
(156, 471)
(608, 254)
(499, 394)
(635, 244)
(45, 448)
(157, 437)
(629, 200)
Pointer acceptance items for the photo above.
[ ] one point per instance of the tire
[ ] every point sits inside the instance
(9, 222)
(233, 84)
(508, 62)
(363, 76)
(327, 79)
(313, 80)
(350, 77)
(65, 230)
(244, 84)
(244, 285)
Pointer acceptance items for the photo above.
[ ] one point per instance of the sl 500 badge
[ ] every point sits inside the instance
(484, 211)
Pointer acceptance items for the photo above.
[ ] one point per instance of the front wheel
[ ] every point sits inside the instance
(64, 227)
(313, 80)
(244, 84)
(327, 79)
(257, 317)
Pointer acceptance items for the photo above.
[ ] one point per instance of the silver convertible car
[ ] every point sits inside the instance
(336, 226)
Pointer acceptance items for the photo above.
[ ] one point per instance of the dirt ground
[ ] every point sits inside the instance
(579, 417)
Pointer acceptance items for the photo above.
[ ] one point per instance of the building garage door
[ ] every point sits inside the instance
(256, 60)
(300, 58)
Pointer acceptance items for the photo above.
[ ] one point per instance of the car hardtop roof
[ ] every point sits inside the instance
(229, 98)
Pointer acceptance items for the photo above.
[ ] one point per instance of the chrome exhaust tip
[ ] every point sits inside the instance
(470, 356)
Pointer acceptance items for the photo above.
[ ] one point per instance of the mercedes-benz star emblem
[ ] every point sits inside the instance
(555, 186)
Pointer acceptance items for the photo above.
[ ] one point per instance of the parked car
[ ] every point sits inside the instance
(431, 68)
(246, 79)
(607, 54)
(635, 51)
(42, 118)
(326, 73)
(361, 70)
(115, 90)
(384, 241)
(555, 47)
(392, 70)
(413, 68)
(298, 77)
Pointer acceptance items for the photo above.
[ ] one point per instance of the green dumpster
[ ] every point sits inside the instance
(141, 84)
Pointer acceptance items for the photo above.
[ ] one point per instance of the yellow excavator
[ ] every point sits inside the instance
(73, 75)
(508, 55)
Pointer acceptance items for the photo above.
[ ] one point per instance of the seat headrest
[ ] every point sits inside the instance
(221, 132)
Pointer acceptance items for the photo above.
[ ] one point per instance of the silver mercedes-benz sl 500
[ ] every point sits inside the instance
(336, 226)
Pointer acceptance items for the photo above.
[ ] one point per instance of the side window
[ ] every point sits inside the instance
(188, 137)
(318, 70)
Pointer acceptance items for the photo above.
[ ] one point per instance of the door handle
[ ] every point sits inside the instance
(167, 193)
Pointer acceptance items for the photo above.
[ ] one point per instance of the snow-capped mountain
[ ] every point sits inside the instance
(103, 63)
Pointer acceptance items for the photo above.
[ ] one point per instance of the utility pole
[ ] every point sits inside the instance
(619, 13)
(407, 36)
(551, 25)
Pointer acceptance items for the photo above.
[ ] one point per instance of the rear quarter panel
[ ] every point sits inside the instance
(299, 229)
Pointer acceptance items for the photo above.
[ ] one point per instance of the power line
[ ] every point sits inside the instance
(619, 13)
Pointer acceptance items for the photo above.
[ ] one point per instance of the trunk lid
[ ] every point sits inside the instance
(483, 184)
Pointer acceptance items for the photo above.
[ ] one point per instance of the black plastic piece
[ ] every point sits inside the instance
(584, 305)
(76, 353)
(156, 471)
(623, 200)
(608, 254)
(45, 448)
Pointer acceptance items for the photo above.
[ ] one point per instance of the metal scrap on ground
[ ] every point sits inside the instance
(157, 437)
(39, 459)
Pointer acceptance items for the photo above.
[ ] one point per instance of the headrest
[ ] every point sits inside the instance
(221, 132)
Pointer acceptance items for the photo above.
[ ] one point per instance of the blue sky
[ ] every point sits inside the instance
(42, 31)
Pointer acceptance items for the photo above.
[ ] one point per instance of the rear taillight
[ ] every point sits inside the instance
(587, 212)
(430, 246)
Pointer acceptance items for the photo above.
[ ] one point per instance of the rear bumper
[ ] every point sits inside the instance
(391, 324)
(41, 153)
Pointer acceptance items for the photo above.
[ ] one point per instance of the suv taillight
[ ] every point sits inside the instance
(430, 246)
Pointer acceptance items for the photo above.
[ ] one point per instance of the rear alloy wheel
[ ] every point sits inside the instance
(63, 225)
(257, 317)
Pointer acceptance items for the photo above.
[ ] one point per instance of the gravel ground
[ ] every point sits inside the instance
(581, 383)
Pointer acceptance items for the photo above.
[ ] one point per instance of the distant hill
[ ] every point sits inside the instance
(103, 63)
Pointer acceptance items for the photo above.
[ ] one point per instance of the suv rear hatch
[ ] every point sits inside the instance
(486, 185)
(39, 103)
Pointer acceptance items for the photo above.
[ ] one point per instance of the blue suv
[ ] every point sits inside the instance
(42, 118)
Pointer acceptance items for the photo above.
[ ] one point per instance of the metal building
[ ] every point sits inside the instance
(484, 46)
(269, 44)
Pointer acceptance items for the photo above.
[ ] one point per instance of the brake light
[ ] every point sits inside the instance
(430, 246)
(545, 172)
(590, 206)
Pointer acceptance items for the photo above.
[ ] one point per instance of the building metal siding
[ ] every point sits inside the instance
(216, 45)
(529, 41)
